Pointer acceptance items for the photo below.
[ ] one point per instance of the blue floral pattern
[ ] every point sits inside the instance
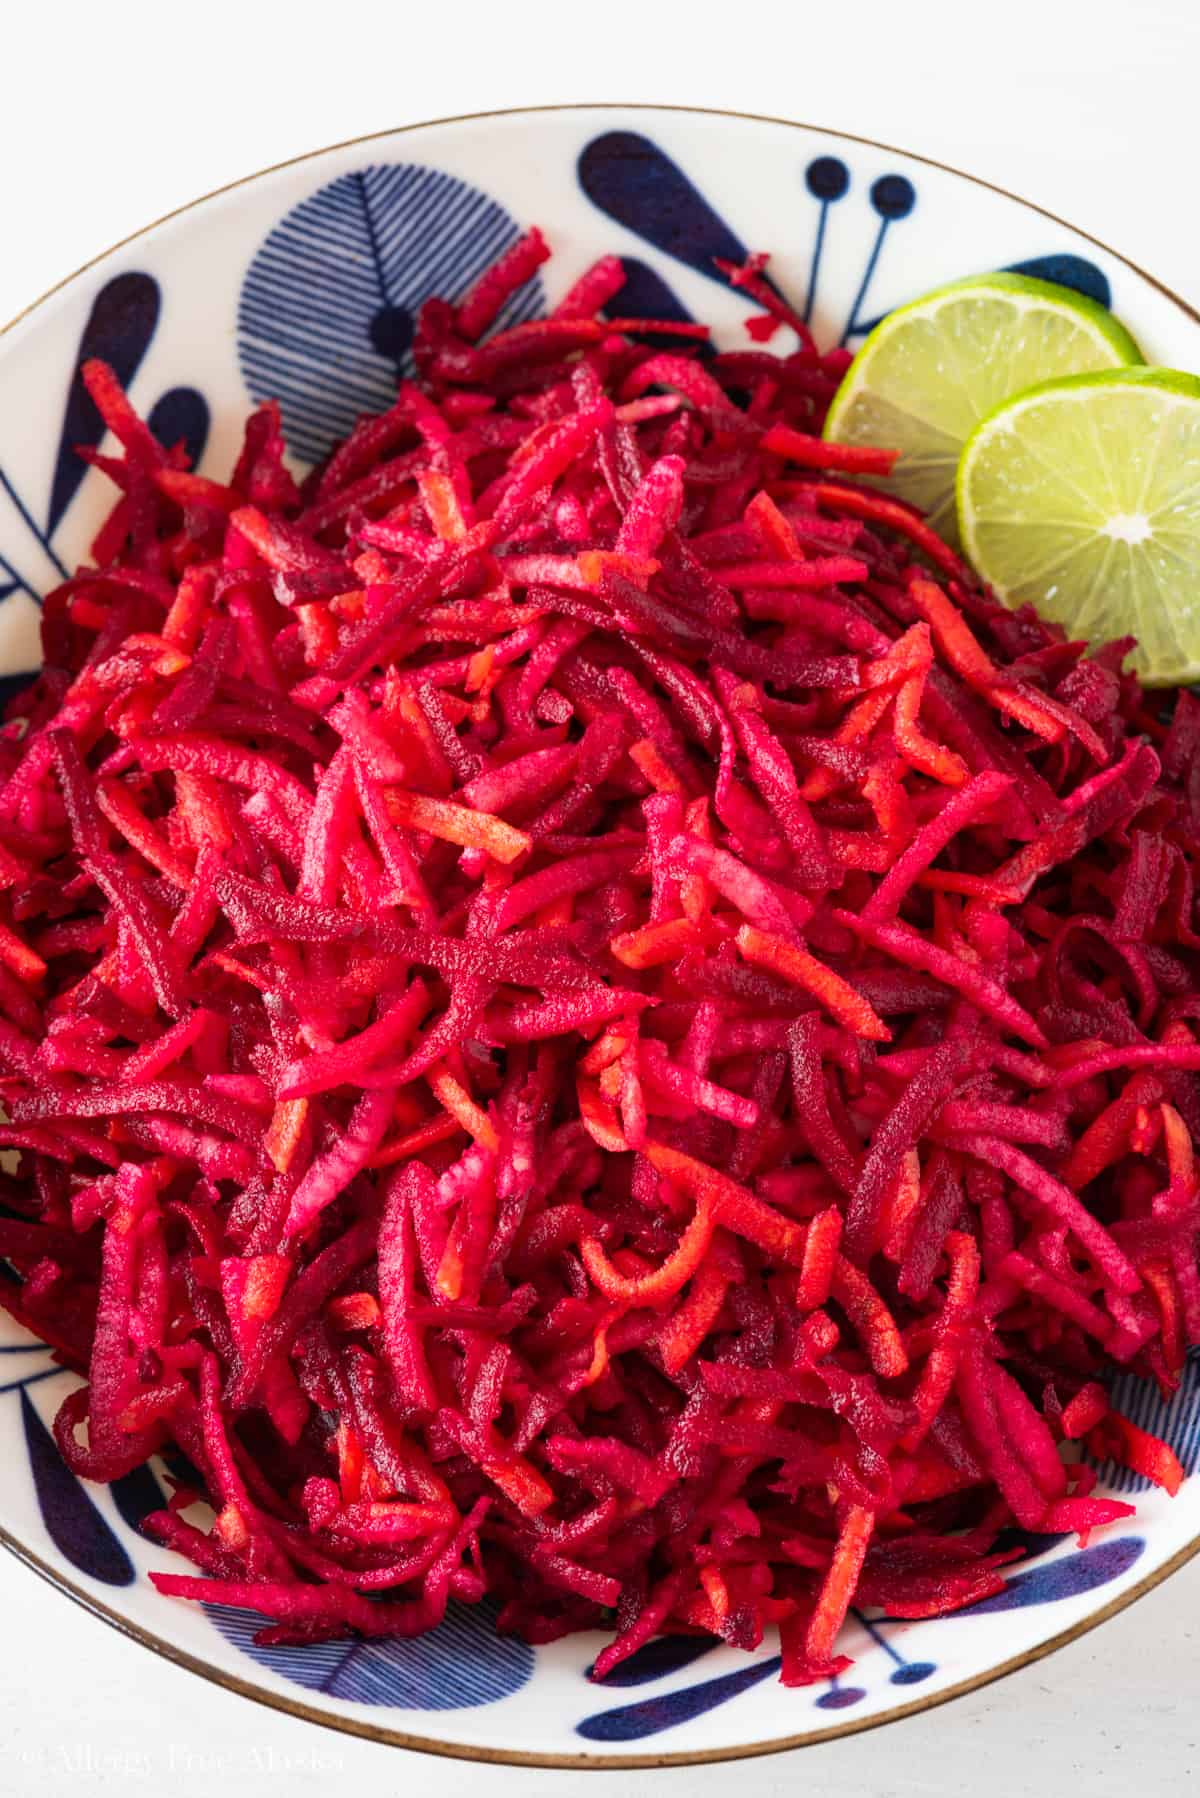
(1176, 1420)
(1066, 1577)
(326, 314)
(460, 1664)
(72, 1521)
(119, 329)
(330, 301)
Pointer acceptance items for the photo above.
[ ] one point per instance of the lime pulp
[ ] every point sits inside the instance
(930, 371)
(1081, 497)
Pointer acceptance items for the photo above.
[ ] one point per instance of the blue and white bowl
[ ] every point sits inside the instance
(303, 283)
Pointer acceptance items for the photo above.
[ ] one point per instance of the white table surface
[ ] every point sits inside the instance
(112, 114)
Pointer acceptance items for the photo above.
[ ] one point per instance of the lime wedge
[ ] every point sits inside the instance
(1082, 497)
(931, 370)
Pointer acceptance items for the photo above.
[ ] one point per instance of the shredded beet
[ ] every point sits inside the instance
(583, 1017)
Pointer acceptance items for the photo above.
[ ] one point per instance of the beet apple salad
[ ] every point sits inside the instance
(591, 1014)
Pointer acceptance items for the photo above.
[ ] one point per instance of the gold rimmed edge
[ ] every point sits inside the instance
(466, 1751)
(579, 106)
(373, 1732)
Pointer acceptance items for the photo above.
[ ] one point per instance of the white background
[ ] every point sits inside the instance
(114, 113)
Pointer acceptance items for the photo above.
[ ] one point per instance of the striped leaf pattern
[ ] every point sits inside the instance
(460, 1664)
(1176, 1420)
(330, 301)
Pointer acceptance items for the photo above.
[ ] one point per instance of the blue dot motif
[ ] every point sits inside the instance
(893, 196)
(912, 1673)
(827, 178)
(840, 1698)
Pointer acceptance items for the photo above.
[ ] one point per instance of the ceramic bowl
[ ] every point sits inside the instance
(303, 283)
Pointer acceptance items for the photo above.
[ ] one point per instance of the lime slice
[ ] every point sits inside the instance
(930, 371)
(1082, 497)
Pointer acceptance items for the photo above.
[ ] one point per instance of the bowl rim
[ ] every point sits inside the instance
(466, 1751)
(643, 106)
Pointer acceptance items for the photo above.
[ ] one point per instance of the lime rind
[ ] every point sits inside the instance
(1082, 497)
(1079, 306)
(1029, 287)
(931, 369)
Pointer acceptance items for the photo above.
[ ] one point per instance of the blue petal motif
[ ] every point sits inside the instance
(628, 177)
(665, 1654)
(182, 416)
(1065, 1578)
(1030, 1542)
(182, 1470)
(119, 328)
(630, 1722)
(11, 684)
(460, 1664)
(136, 1494)
(1068, 271)
(646, 295)
(72, 1521)
(1065, 270)
(330, 300)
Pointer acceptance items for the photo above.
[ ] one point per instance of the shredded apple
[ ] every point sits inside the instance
(583, 1017)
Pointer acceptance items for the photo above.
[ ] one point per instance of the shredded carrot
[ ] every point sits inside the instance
(802, 969)
(457, 824)
(586, 1023)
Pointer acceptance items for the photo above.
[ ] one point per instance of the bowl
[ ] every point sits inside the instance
(303, 283)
